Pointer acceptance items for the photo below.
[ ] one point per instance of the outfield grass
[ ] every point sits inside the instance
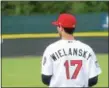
(25, 71)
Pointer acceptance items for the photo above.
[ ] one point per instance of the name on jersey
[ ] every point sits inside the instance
(71, 52)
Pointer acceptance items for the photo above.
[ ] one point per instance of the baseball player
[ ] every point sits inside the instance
(69, 62)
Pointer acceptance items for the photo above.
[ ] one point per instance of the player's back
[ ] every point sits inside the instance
(70, 59)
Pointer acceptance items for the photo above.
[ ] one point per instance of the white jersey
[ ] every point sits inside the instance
(70, 62)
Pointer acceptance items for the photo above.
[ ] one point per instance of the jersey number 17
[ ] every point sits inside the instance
(67, 65)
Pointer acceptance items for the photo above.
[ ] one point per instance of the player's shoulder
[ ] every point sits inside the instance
(84, 45)
(53, 45)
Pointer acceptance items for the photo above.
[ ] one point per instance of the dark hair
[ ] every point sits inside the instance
(69, 30)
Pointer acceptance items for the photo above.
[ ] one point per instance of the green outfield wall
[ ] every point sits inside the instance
(42, 23)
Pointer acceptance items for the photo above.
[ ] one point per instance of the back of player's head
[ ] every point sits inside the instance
(69, 30)
(67, 21)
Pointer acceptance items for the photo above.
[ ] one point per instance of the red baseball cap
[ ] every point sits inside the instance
(65, 20)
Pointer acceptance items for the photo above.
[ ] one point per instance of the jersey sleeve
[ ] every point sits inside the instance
(46, 63)
(94, 67)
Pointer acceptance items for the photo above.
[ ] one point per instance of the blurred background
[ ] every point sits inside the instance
(27, 31)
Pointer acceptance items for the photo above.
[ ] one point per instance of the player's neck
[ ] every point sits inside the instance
(68, 37)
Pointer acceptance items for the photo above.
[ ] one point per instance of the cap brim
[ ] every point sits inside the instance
(55, 23)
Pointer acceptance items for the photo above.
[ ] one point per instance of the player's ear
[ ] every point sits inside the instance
(58, 28)
(61, 28)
